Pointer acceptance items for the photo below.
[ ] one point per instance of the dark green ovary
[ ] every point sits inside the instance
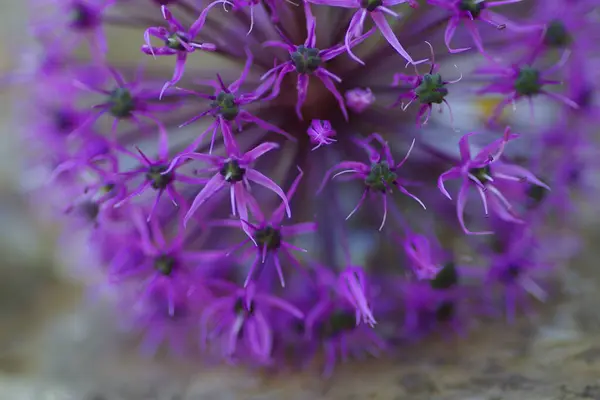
(337, 323)
(164, 264)
(121, 103)
(381, 177)
(481, 174)
(268, 237)
(535, 195)
(227, 106)
(557, 35)
(472, 6)
(156, 177)
(174, 40)
(232, 172)
(306, 59)
(432, 89)
(446, 278)
(528, 82)
(371, 5)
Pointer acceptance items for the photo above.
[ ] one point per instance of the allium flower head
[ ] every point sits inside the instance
(204, 199)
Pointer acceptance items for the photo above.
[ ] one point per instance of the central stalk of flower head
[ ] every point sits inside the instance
(159, 180)
(226, 105)
(528, 82)
(371, 5)
(481, 174)
(268, 237)
(381, 177)
(306, 59)
(557, 35)
(164, 264)
(446, 278)
(432, 89)
(121, 103)
(232, 172)
(173, 41)
(82, 16)
(472, 6)
(337, 323)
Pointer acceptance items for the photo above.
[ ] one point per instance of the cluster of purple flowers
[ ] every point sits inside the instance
(208, 188)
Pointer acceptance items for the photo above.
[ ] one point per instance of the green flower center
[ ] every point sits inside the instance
(528, 82)
(481, 174)
(173, 41)
(445, 278)
(239, 308)
(557, 35)
(473, 6)
(306, 59)
(155, 175)
(268, 237)
(337, 323)
(164, 264)
(371, 5)
(121, 103)
(232, 172)
(381, 177)
(431, 90)
(225, 102)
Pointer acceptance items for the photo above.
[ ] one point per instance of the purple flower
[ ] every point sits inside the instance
(163, 265)
(359, 99)
(307, 60)
(335, 319)
(226, 106)
(377, 9)
(165, 319)
(428, 89)
(80, 19)
(522, 80)
(159, 175)
(235, 170)
(126, 101)
(514, 267)
(469, 11)
(178, 40)
(442, 301)
(380, 176)
(482, 172)
(423, 255)
(321, 133)
(270, 236)
(242, 314)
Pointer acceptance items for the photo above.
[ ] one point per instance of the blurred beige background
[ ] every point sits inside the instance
(54, 346)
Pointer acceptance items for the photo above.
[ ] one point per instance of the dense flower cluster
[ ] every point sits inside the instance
(211, 153)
